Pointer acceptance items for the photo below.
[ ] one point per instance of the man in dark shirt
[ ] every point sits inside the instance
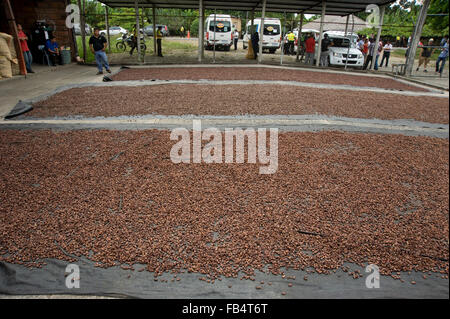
(98, 43)
(255, 44)
(326, 42)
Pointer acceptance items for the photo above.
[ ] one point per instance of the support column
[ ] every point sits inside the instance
(155, 53)
(300, 28)
(12, 24)
(377, 41)
(215, 26)
(200, 31)
(319, 47)
(351, 40)
(261, 29)
(136, 9)
(107, 28)
(416, 37)
(83, 29)
(346, 25)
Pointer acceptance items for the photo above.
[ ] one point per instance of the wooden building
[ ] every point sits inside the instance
(28, 12)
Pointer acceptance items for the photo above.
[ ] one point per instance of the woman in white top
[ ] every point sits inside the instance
(386, 53)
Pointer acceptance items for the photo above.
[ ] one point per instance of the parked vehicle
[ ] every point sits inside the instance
(114, 31)
(223, 35)
(127, 40)
(148, 30)
(272, 33)
(338, 52)
(77, 29)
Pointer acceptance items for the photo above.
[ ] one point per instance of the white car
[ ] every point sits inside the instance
(338, 52)
(114, 31)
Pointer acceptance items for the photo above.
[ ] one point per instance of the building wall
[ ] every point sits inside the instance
(26, 12)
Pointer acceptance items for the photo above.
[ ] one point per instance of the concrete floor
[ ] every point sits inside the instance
(43, 81)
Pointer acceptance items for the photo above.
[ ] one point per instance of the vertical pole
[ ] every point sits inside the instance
(319, 48)
(107, 28)
(200, 31)
(377, 41)
(351, 40)
(261, 29)
(136, 10)
(346, 25)
(416, 37)
(83, 29)
(154, 30)
(300, 28)
(12, 24)
(215, 26)
(283, 32)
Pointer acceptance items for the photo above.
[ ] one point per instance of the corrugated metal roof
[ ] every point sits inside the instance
(334, 7)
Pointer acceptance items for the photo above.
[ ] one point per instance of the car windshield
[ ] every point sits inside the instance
(340, 42)
(221, 26)
(271, 29)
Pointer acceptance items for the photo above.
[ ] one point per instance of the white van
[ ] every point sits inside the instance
(272, 33)
(223, 35)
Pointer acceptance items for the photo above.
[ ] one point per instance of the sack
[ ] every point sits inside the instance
(5, 40)
(5, 68)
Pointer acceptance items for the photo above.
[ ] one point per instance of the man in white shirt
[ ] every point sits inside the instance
(387, 49)
(236, 39)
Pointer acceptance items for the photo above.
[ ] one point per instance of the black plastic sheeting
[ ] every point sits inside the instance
(20, 108)
(117, 282)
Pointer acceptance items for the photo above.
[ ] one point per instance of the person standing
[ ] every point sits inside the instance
(326, 43)
(442, 57)
(380, 49)
(255, 44)
(25, 50)
(133, 39)
(386, 53)
(425, 56)
(236, 39)
(97, 44)
(159, 37)
(182, 31)
(371, 52)
(310, 49)
(291, 43)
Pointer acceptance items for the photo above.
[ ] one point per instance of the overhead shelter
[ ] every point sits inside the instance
(322, 7)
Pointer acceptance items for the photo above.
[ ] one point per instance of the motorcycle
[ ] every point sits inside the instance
(127, 40)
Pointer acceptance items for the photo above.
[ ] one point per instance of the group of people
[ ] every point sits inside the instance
(52, 49)
(426, 52)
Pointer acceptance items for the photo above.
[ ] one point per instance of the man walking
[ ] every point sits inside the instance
(425, 56)
(25, 50)
(98, 43)
(159, 37)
